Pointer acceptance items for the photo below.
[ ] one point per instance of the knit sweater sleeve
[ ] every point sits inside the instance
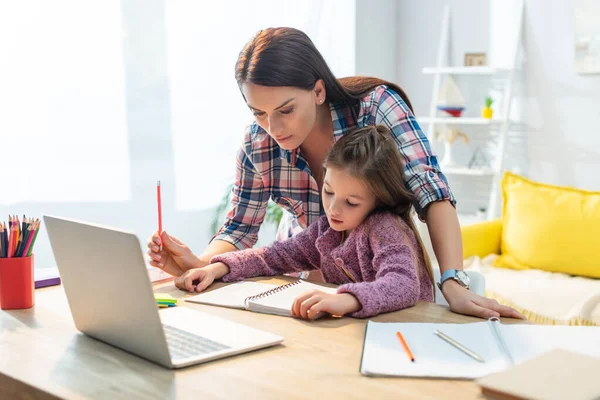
(396, 285)
(298, 253)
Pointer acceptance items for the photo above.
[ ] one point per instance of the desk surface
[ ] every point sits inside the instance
(42, 355)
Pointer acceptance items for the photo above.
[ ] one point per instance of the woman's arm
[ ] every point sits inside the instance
(444, 230)
(214, 248)
(248, 201)
(435, 202)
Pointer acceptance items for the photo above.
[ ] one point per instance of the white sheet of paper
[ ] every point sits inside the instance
(383, 353)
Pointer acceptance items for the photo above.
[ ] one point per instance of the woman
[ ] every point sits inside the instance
(300, 110)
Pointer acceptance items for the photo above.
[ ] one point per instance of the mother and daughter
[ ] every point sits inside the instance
(349, 162)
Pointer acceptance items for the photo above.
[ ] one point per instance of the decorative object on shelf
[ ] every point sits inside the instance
(450, 99)
(587, 37)
(478, 159)
(481, 213)
(487, 112)
(449, 136)
(475, 59)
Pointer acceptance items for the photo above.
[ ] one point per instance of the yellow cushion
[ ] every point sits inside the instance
(482, 238)
(551, 228)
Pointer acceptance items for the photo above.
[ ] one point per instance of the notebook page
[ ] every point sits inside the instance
(233, 295)
(528, 341)
(383, 353)
(280, 302)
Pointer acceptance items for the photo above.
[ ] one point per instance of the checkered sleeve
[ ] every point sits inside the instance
(421, 170)
(248, 204)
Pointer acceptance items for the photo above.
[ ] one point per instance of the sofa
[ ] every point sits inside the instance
(542, 257)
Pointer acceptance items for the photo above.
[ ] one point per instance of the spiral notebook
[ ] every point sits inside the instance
(258, 297)
(500, 345)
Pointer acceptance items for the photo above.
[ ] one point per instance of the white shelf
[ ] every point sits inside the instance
(459, 120)
(467, 171)
(464, 70)
(469, 219)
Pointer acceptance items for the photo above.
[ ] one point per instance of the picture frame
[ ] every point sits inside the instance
(475, 59)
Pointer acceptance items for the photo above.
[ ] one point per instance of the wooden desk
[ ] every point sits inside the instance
(42, 355)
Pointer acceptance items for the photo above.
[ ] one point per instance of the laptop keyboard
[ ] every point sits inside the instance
(183, 344)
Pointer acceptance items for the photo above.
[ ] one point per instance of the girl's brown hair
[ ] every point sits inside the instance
(287, 57)
(371, 154)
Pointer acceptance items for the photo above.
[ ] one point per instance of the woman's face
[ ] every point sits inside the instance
(287, 114)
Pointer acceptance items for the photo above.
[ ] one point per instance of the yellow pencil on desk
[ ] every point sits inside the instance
(459, 346)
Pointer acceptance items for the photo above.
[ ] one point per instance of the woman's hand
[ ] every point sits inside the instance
(311, 304)
(462, 301)
(198, 279)
(171, 255)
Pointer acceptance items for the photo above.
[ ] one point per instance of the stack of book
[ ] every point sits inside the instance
(164, 300)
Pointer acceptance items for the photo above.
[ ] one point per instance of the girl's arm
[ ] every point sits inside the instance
(396, 285)
(298, 253)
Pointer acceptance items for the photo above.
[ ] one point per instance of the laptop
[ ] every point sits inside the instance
(106, 281)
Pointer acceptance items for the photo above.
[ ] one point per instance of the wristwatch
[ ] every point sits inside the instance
(458, 275)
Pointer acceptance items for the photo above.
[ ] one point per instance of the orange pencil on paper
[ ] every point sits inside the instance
(408, 352)
(159, 202)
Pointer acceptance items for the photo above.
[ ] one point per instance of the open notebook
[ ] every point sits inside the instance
(501, 346)
(259, 297)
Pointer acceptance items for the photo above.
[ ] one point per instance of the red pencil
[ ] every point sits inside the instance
(158, 200)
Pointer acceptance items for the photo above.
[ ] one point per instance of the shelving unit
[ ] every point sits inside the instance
(500, 121)
(468, 171)
(460, 120)
(464, 70)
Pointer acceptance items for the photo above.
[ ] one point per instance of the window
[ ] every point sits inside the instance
(101, 99)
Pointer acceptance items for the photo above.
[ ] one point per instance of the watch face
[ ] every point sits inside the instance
(463, 277)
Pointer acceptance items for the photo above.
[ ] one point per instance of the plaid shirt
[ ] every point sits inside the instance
(265, 170)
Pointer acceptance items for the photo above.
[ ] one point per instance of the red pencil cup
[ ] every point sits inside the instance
(16, 283)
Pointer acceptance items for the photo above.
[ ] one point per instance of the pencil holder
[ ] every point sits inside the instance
(16, 283)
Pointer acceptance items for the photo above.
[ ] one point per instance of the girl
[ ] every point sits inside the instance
(300, 110)
(366, 241)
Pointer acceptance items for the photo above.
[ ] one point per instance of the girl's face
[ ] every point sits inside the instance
(287, 114)
(347, 200)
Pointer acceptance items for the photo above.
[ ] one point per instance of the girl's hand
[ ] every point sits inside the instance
(171, 255)
(197, 279)
(463, 301)
(310, 304)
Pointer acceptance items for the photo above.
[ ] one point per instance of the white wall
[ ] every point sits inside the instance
(376, 38)
(563, 107)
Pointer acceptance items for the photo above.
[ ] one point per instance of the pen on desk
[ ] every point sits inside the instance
(159, 202)
(406, 348)
(459, 346)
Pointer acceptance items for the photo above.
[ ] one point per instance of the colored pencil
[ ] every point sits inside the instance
(406, 348)
(18, 239)
(37, 229)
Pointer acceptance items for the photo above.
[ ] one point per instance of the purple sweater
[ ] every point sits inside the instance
(382, 256)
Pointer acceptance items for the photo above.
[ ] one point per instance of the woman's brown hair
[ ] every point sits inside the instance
(287, 57)
(371, 155)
